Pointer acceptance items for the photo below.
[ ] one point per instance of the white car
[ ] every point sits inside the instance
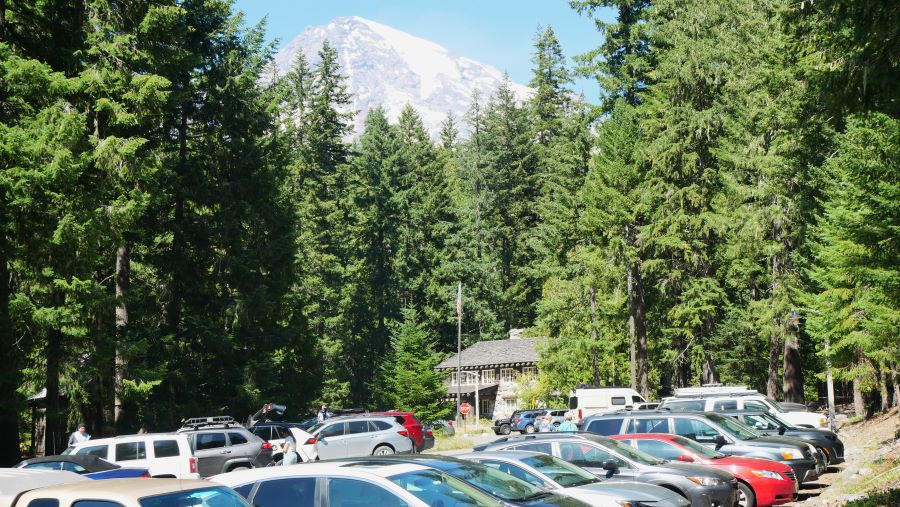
(353, 484)
(718, 399)
(271, 432)
(585, 401)
(16, 481)
(550, 473)
(162, 454)
(132, 493)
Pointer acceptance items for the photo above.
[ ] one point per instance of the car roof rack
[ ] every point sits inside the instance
(219, 420)
(713, 390)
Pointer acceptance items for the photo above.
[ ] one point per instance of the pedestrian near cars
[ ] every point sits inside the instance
(81, 435)
(289, 448)
(567, 425)
(323, 414)
(546, 426)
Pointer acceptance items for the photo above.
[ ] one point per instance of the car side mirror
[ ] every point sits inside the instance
(685, 458)
(720, 441)
(781, 430)
(610, 465)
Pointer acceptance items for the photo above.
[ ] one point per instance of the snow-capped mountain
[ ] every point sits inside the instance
(387, 67)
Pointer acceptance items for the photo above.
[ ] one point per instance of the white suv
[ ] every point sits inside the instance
(721, 399)
(163, 454)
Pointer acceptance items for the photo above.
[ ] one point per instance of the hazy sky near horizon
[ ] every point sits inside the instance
(498, 32)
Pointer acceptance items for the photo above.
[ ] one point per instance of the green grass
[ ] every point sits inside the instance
(442, 443)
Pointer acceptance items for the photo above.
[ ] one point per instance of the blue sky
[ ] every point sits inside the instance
(498, 32)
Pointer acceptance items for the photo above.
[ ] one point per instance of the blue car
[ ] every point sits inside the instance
(525, 421)
(89, 466)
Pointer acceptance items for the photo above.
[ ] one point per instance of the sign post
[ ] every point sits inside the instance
(464, 409)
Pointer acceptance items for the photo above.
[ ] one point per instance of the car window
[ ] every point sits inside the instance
(96, 503)
(129, 451)
(617, 400)
(334, 430)
(759, 422)
(435, 488)
(44, 502)
(695, 430)
(605, 427)
(47, 465)
(209, 440)
(515, 471)
(165, 448)
(636, 399)
(755, 405)
(545, 448)
(735, 428)
(585, 455)
(237, 438)
(649, 425)
(352, 493)
(379, 426)
(719, 405)
(565, 474)
(73, 467)
(263, 432)
(296, 491)
(685, 405)
(659, 449)
(702, 450)
(354, 427)
(100, 451)
(218, 496)
(493, 481)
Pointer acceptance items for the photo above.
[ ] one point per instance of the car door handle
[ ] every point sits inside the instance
(225, 452)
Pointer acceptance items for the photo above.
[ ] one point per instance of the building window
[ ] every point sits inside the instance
(505, 405)
(487, 408)
(468, 378)
(488, 376)
(529, 372)
(507, 375)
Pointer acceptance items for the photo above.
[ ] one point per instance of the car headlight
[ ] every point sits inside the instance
(768, 474)
(790, 453)
(707, 481)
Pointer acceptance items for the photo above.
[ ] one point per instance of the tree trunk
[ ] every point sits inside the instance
(54, 436)
(883, 387)
(594, 364)
(895, 379)
(631, 330)
(10, 374)
(793, 371)
(772, 382)
(123, 281)
(682, 364)
(859, 401)
(637, 319)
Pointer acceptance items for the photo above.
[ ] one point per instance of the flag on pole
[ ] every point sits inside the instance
(459, 300)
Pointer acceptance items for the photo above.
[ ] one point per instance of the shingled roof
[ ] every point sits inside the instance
(519, 351)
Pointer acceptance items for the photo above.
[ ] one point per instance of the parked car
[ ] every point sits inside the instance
(587, 400)
(504, 425)
(222, 445)
(612, 461)
(767, 423)
(413, 426)
(548, 472)
(335, 484)
(271, 432)
(15, 482)
(526, 421)
(162, 454)
(91, 467)
(716, 431)
(722, 398)
(360, 435)
(761, 482)
(133, 493)
(557, 416)
(504, 487)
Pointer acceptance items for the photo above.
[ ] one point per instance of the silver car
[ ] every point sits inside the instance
(355, 436)
(550, 473)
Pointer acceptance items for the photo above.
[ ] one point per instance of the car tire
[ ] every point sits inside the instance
(239, 468)
(529, 429)
(504, 430)
(745, 496)
(383, 450)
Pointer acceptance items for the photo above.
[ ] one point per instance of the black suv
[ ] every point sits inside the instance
(615, 461)
(713, 430)
(769, 424)
(504, 426)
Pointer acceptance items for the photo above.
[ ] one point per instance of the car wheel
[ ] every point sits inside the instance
(504, 430)
(383, 450)
(745, 496)
(239, 468)
(529, 429)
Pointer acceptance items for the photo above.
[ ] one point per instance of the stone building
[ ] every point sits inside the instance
(493, 369)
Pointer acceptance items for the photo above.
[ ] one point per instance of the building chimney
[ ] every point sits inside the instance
(516, 334)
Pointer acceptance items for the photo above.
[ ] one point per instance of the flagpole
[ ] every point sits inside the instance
(458, 348)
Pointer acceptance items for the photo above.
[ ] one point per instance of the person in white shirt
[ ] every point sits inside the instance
(289, 447)
(79, 436)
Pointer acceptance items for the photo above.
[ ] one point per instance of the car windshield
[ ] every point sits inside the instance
(735, 428)
(435, 488)
(495, 482)
(779, 420)
(207, 497)
(565, 474)
(775, 404)
(630, 452)
(700, 449)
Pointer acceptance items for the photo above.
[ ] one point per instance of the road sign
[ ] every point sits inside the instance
(465, 408)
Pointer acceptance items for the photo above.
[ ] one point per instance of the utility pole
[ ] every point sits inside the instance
(458, 348)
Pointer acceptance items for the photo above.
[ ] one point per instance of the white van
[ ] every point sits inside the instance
(718, 398)
(162, 454)
(587, 400)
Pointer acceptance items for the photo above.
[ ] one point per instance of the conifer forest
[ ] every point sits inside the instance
(185, 231)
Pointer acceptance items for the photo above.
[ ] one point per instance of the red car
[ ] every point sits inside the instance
(761, 482)
(413, 426)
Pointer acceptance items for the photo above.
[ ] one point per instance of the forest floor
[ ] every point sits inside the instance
(872, 453)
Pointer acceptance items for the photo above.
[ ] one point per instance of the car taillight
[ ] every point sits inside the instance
(193, 465)
(403, 433)
(579, 414)
(266, 445)
(145, 475)
(430, 433)
(310, 441)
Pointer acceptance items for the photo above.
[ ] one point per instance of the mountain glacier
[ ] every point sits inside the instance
(387, 67)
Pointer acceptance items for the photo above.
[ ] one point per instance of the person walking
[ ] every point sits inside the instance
(81, 435)
(567, 425)
(289, 448)
(323, 414)
(545, 426)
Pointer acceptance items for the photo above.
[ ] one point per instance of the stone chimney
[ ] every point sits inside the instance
(516, 334)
